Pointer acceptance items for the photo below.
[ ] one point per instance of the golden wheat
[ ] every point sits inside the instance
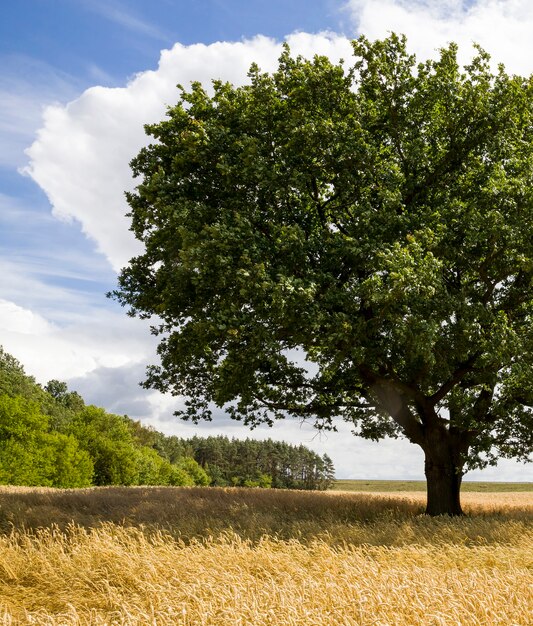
(307, 559)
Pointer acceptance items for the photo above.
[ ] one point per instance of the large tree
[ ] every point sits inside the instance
(330, 242)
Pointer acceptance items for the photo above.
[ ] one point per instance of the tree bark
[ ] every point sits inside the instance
(443, 477)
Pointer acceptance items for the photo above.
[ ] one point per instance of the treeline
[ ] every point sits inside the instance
(50, 437)
(247, 463)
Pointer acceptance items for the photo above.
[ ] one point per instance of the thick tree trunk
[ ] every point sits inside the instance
(443, 477)
(445, 446)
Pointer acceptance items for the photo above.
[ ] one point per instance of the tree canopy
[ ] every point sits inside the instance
(353, 242)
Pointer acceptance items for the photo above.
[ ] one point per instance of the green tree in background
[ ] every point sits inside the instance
(31, 455)
(252, 463)
(60, 393)
(108, 440)
(112, 441)
(155, 470)
(198, 475)
(376, 221)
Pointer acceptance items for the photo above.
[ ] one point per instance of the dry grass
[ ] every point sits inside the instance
(474, 503)
(252, 557)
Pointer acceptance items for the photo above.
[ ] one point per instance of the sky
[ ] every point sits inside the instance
(78, 80)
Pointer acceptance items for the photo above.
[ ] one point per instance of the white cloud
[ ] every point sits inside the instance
(98, 338)
(27, 285)
(14, 318)
(502, 27)
(507, 470)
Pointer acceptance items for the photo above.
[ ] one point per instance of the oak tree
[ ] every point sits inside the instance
(331, 242)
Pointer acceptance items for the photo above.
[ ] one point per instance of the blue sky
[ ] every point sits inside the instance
(107, 41)
(78, 79)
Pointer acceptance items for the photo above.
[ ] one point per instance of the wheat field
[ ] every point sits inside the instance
(166, 556)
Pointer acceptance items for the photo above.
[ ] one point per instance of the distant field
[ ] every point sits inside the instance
(228, 557)
(385, 486)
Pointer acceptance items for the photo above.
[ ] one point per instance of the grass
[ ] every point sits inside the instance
(387, 486)
(165, 556)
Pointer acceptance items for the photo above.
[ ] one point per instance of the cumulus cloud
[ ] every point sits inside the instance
(502, 27)
(115, 389)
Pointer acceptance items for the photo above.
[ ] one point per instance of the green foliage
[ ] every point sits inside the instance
(375, 220)
(72, 467)
(63, 397)
(30, 455)
(108, 439)
(262, 480)
(180, 478)
(195, 471)
(152, 468)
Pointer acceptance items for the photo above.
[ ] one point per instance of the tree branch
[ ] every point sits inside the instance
(391, 397)
(463, 369)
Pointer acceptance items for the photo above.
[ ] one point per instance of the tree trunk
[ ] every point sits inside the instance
(443, 477)
(445, 446)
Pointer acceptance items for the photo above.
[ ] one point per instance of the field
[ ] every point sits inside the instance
(392, 486)
(165, 556)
